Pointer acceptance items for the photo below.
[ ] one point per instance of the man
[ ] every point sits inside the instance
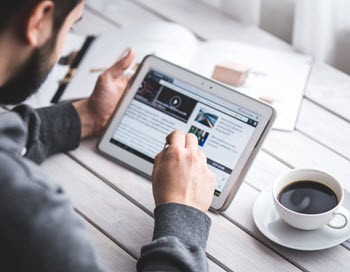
(39, 230)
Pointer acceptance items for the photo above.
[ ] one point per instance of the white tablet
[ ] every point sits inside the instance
(162, 98)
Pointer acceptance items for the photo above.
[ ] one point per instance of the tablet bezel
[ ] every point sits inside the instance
(214, 88)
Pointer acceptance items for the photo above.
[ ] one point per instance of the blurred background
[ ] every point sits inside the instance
(320, 28)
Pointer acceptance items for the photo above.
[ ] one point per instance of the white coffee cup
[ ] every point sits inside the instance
(335, 218)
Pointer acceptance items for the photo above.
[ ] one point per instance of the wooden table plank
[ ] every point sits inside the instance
(264, 163)
(329, 88)
(101, 205)
(325, 127)
(122, 220)
(236, 240)
(111, 256)
(213, 267)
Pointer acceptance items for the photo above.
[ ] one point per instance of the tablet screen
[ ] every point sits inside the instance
(163, 104)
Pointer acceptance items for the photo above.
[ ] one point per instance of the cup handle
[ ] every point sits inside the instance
(340, 219)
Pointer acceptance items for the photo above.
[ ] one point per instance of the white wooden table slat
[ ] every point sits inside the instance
(235, 239)
(213, 267)
(347, 244)
(111, 256)
(112, 212)
(325, 127)
(330, 88)
(99, 203)
(269, 166)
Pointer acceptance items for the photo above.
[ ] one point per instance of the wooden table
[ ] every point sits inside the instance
(117, 204)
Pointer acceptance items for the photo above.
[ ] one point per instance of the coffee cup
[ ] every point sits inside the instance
(309, 199)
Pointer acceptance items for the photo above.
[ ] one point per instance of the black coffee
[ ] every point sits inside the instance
(308, 197)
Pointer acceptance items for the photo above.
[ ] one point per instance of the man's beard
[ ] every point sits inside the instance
(30, 77)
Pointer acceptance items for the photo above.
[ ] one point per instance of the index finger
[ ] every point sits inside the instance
(191, 141)
(176, 138)
(122, 64)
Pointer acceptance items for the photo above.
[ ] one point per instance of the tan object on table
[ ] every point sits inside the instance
(230, 73)
(97, 70)
(68, 77)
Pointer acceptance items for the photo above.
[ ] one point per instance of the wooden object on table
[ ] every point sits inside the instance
(230, 73)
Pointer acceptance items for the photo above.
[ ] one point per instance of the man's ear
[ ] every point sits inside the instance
(38, 28)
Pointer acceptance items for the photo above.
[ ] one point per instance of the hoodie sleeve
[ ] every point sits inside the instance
(51, 130)
(179, 240)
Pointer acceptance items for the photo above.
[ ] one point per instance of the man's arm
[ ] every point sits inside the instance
(183, 188)
(50, 130)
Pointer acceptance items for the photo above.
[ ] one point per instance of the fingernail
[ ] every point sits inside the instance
(125, 53)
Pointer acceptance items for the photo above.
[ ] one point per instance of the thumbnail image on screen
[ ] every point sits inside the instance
(206, 118)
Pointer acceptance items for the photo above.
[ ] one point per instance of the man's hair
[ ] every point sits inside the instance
(17, 11)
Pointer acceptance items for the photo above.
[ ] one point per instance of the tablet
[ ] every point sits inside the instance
(164, 97)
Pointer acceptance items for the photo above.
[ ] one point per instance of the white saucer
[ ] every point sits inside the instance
(273, 227)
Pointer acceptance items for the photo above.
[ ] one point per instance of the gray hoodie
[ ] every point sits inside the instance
(39, 231)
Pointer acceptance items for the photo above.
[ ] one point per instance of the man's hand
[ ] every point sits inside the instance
(95, 111)
(181, 175)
